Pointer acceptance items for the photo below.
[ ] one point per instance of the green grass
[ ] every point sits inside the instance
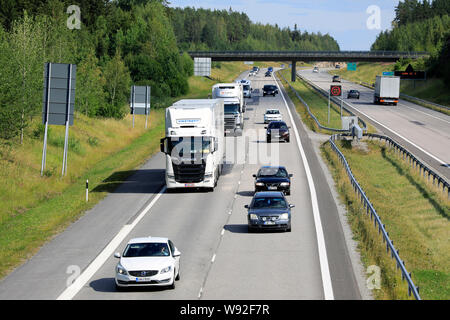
(35, 208)
(415, 213)
(432, 89)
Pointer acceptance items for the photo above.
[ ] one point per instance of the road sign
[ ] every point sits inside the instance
(140, 101)
(58, 104)
(410, 74)
(202, 67)
(388, 73)
(336, 91)
(351, 66)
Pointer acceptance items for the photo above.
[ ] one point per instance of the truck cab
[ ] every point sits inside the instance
(234, 104)
(194, 143)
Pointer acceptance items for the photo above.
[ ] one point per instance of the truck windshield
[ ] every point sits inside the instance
(232, 108)
(246, 87)
(184, 146)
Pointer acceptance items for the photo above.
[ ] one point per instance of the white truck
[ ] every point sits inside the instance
(233, 98)
(194, 145)
(387, 90)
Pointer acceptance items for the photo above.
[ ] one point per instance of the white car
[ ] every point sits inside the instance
(252, 73)
(316, 70)
(272, 115)
(149, 261)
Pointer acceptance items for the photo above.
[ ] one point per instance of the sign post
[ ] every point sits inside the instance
(335, 91)
(140, 101)
(58, 104)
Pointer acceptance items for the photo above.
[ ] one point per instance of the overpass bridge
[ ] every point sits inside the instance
(308, 56)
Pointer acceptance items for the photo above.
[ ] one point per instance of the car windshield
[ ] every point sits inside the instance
(266, 87)
(273, 172)
(273, 112)
(189, 145)
(134, 250)
(232, 108)
(246, 87)
(277, 125)
(269, 202)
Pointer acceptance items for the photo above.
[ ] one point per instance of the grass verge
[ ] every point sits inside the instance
(415, 214)
(35, 208)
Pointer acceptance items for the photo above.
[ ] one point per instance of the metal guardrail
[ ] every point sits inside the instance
(414, 162)
(376, 219)
(334, 99)
(309, 110)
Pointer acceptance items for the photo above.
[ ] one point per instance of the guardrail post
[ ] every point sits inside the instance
(294, 71)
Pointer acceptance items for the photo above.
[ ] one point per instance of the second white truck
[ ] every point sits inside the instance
(194, 144)
(233, 97)
(387, 90)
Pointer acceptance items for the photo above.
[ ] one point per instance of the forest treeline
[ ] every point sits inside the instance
(421, 26)
(205, 29)
(119, 43)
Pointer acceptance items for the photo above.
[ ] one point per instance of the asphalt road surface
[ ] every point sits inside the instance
(424, 132)
(219, 258)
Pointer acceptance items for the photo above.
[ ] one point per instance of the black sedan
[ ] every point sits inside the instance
(273, 179)
(277, 130)
(270, 90)
(269, 211)
(268, 74)
(353, 94)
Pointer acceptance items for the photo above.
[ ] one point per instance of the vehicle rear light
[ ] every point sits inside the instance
(381, 100)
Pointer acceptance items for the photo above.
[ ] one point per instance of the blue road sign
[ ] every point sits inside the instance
(351, 66)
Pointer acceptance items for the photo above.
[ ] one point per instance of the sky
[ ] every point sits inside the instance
(354, 24)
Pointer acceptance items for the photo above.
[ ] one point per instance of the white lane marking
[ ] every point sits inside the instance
(430, 115)
(223, 232)
(200, 292)
(95, 265)
(396, 133)
(323, 258)
(213, 258)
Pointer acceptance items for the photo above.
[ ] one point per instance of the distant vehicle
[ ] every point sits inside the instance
(273, 179)
(336, 78)
(387, 90)
(270, 89)
(256, 69)
(252, 73)
(272, 115)
(316, 70)
(270, 69)
(269, 211)
(277, 130)
(353, 94)
(338, 66)
(233, 99)
(149, 261)
(247, 87)
(194, 145)
(268, 74)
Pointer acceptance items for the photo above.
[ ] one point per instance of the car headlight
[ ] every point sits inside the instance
(284, 216)
(165, 270)
(253, 216)
(260, 184)
(284, 184)
(121, 270)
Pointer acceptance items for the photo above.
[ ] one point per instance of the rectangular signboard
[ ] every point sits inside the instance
(351, 66)
(388, 73)
(202, 67)
(59, 93)
(140, 100)
(411, 75)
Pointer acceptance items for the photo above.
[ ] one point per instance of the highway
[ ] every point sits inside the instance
(424, 132)
(219, 258)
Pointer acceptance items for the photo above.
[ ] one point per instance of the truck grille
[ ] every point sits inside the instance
(189, 173)
(230, 123)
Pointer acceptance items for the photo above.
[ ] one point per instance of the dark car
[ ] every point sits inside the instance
(277, 130)
(269, 211)
(338, 66)
(353, 94)
(270, 89)
(336, 79)
(268, 74)
(273, 179)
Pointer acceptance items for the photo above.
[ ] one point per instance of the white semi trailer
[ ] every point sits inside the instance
(194, 144)
(233, 97)
(387, 90)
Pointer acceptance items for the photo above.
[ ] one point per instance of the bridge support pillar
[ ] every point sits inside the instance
(294, 71)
